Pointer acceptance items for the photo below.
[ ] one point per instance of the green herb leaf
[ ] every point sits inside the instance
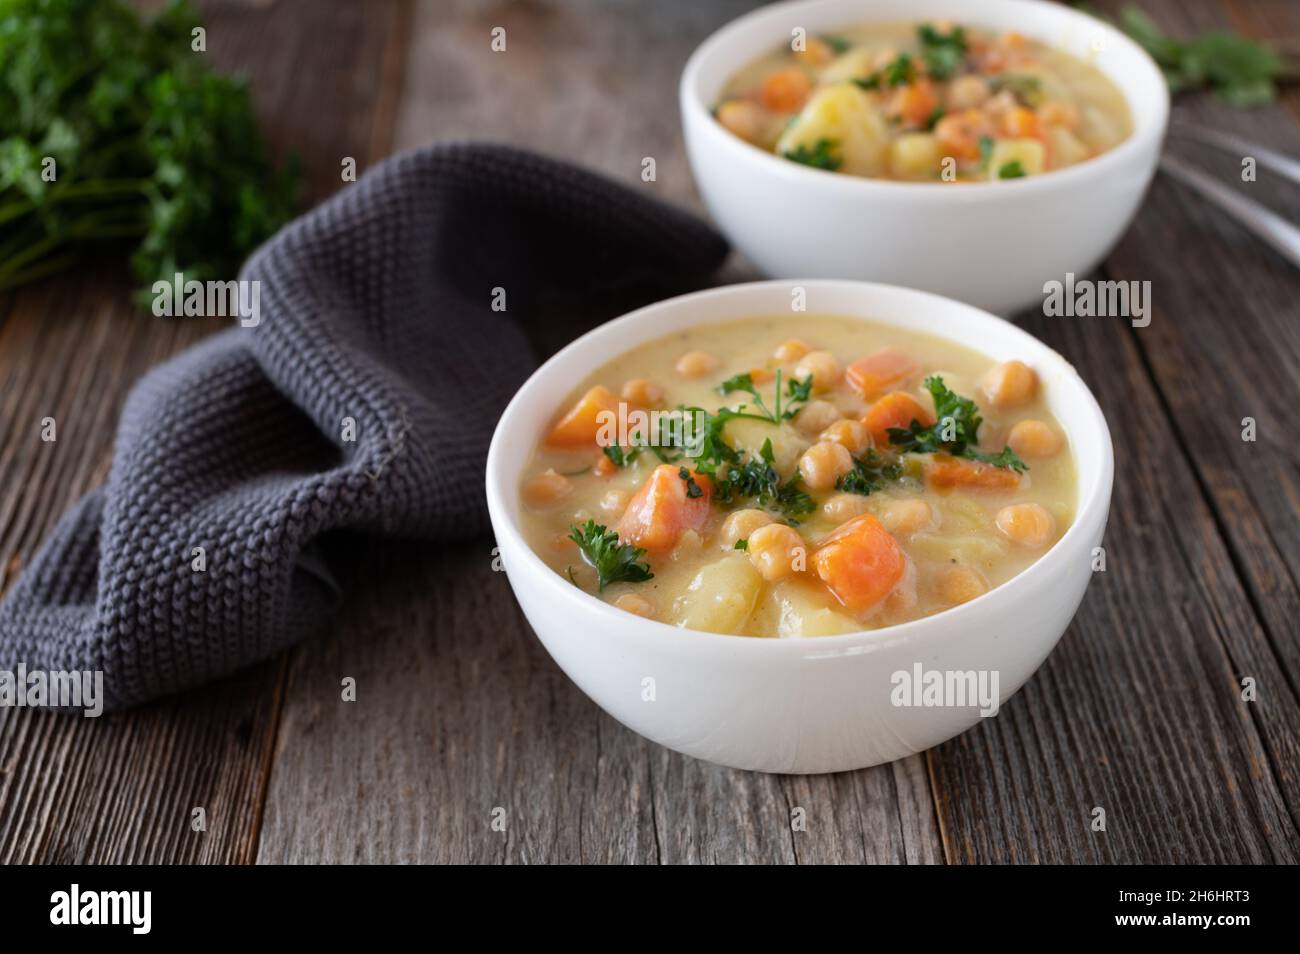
(836, 43)
(1011, 170)
(741, 545)
(613, 562)
(955, 432)
(870, 472)
(620, 457)
(944, 53)
(820, 156)
(693, 489)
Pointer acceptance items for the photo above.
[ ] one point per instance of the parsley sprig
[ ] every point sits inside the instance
(821, 155)
(797, 394)
(870, 473)
(943, 53)
(756, 479)
(955, 432)
(613, 562)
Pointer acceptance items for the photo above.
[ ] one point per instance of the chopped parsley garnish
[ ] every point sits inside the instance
(741, 545)
(619, 456)
(1026, 89)
(870, 472)
(837, 43)
(899, 72)
(820, 156)
(944, 53)
(613, 562)
(693, 489)
(756, 479)
(797, 392)
(1011, 170)
(956, 431)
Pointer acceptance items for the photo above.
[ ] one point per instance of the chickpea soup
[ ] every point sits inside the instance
(767, 477)
(934, 102)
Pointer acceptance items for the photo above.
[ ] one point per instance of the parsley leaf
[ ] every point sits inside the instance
(797, 392)
(613, 562)
(757, 480)
(869, 474)
(693, 489)
(820, 156)
(955, 432)
(620, 457)
(944, 53)
(837, 43)
(1011, 170)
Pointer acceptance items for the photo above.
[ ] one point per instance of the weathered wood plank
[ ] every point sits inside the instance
(122, 788)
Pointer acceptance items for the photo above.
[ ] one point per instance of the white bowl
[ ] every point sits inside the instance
(815, 704)
(992, 244)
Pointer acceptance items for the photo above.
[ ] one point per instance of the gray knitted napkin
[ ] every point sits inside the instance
(375, 307)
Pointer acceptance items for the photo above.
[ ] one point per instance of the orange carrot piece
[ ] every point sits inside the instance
(582, 423)
(785, 90)
(879, 371)
(914, 103)
(661, 510)
(895, 409)
(944, 471)
(1021, 123)
(860, 562)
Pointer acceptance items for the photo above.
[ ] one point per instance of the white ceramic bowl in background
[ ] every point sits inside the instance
(817, 704)
(991, 244)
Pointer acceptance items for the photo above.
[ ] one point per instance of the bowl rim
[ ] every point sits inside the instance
(1143, 139)
(1090, 512)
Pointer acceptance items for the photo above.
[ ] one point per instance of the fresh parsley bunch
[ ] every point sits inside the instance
(147, 144)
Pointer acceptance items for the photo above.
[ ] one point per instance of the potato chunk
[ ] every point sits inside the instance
(1028, 152)
(849, 118)
(721, 597)
(796, 607)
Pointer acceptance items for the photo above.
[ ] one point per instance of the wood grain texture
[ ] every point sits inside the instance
(122, 788)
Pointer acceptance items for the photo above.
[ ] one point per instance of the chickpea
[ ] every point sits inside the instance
(791, 350)
(777, 551)
(816, 52)
(633, 603)
(1010, 383)
(960, 584)
(823, 367)
(743, 118)
(852, 434)
(696, 364)
(740, 525)
(615, 501)
(643, 392)
(1028, 524)
(823, 464)
(844, 507)
(816, 416)
(908, 516)
(545, 490)
(967, 92)
(1034, 439)
(688, 545)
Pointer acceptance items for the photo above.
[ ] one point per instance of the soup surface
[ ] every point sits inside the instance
(798, 477)
(933, 102)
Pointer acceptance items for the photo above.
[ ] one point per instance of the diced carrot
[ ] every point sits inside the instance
(1012, 40)
(661, 509)
(914, 103)
(880, 371)
(582, 423)
(604, 467)
(785, 90)
(1021, 123)
(959, 133)
(945, 472)
(860, 562)
(895, 409)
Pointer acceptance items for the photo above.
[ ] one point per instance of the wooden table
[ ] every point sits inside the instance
(460, 711)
